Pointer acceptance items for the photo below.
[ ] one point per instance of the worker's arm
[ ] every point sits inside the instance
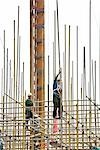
(55, 81)
(57, 75)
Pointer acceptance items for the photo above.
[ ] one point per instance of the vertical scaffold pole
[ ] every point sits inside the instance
(90, 68)
(85, 92)
(6, 97)
(14, 115)
(54, 50)
(18, 91)
(23, 142)
(4, 85)
(18, 71)
(10, 94)
(82, 112)
(69, 87)
(17, 55)
(72, 103)
(99, 74)
(95, 104)
(10, 88)
(77, 83)
(48, 107)
(65, 83)
(21, 128)
(58, 33)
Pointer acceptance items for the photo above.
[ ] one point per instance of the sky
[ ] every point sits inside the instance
(9, 13)
(75, 13)
(71, 12)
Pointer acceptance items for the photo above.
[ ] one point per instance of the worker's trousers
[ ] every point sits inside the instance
(56, 102)
(29, 115)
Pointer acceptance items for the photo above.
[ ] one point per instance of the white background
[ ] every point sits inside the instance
(8, 13)
(71, 12)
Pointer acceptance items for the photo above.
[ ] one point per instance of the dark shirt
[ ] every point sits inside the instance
(55, 84)
(28, 102)
(28, 111)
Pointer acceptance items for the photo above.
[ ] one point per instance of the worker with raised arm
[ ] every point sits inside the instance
(57, 90)
(28, 111)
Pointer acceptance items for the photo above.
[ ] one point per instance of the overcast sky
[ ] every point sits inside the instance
(75, 13)
(71, 12)
(8, 13)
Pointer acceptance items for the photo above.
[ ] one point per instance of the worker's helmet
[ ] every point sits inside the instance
(30, 94)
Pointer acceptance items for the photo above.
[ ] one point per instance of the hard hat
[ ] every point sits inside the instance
(30, 94)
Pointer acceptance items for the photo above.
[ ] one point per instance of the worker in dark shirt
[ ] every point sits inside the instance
(29, 105)
(56, 95)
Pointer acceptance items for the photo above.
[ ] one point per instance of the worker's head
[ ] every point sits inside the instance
(29, 95)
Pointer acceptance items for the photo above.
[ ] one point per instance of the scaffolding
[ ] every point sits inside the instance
(79, 125)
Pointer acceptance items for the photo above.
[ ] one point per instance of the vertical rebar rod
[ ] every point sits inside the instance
(3, 116)
(65, 82)
(10, 86)
(2, 98)
(99, 64)
(54, 74)
(61, 125)
(64, 99)
(19, 92)
(72, 103)
(17, 76)
(10, 104)
(48, 107)
(14, 111)
(58, 32)
(69, 87)
(85, 91)
(14, 63)
(22, 103)
(6, 97)
(54, 56)
(90, 48)
(17, 55)
(83, 104)
(4, 85)
(83, 83)
(77, 80)
(23, 144)
(90, 66)
(82, 111)
(95, 103)
(77, 59)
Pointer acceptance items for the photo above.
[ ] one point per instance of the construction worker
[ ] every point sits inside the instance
(96, 148)
(29, 105)
(1, 141)
(57, 90)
